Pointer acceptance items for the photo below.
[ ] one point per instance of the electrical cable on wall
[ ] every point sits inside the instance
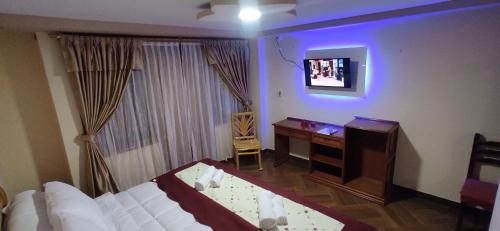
(280, 50)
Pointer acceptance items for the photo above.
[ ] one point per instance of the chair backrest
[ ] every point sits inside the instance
(483, 152)
(3, 202)
(3, 198)
(243, 125)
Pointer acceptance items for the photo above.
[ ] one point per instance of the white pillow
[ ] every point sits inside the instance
(66, 201)
(28, 212)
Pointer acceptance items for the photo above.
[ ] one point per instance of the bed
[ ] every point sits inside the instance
(207, 211)
(168, 202)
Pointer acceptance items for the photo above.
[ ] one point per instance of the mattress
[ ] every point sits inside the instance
(219, 218)
(145, 207)
(240, 197)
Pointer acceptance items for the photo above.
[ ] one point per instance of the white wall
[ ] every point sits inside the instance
(65, 106)
(495, 217)
(437, 74)
(255, 83)
(31, 146)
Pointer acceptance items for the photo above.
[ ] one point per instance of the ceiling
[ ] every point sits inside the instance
(182, 13)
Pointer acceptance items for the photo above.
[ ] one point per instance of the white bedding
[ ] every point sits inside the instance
(143, 207)
(28, 212)
(152, 210)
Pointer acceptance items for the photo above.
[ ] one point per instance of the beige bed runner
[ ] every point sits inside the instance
(240, 197)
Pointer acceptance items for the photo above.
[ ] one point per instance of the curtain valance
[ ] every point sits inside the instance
(95, 53)
(231, 60)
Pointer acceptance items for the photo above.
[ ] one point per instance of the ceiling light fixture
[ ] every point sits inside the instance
(248, 10)
(249, 14)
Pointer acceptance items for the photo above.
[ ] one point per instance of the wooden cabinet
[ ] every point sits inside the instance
(370, 145)
(358, 158)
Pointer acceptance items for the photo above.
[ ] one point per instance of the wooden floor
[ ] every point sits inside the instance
(404, 214)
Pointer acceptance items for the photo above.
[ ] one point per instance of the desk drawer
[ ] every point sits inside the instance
(332, 142)
(292, 133)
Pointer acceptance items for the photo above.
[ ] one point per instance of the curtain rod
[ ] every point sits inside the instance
(57, 35)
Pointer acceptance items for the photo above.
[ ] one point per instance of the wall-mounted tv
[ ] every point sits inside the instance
(328, 72)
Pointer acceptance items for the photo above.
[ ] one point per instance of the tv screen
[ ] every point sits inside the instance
(331, 72)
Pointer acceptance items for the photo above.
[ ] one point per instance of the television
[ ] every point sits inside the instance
(328, 72)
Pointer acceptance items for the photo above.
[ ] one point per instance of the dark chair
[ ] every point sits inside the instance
(476, 194)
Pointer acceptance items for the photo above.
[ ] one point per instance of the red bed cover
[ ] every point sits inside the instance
(209, 212)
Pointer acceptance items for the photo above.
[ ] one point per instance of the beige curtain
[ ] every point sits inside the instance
(101, 67)
(175, 110)
(231, 60)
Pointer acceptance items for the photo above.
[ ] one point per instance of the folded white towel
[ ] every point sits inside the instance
(203, 181)
(279, 210)
(217, 178)
(267, 218)
(275, 228)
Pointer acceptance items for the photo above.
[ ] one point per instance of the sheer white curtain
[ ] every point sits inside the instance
(174, 111)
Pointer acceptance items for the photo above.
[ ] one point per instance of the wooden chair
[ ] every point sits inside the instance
(245, 140)
(476, 194)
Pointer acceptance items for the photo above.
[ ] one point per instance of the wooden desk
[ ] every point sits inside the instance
(292, 127)
(359, 158)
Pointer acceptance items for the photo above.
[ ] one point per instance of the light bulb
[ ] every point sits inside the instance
(249, 14)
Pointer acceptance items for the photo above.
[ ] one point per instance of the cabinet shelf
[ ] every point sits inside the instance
(325, 159)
